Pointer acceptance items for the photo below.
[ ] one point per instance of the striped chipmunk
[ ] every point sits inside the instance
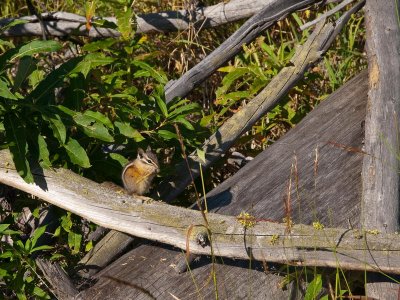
(138, 174)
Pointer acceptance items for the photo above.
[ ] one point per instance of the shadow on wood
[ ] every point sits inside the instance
(327, 191)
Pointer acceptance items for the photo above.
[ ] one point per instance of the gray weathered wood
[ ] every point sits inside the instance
(332, 196)
(110, 247)
(381, 169)
(306, 56)
(60, 284)
(63, 23)
(143, 217)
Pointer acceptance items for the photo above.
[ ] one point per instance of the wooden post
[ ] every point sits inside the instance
(380, 173)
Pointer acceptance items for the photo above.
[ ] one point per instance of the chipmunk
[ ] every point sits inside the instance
(138, 174)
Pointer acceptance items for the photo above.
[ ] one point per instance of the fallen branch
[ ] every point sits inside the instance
(259, 240)
(65, 24)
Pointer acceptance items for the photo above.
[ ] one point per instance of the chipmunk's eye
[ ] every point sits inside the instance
(149, 161)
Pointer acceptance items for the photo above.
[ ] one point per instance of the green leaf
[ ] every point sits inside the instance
(5, 91)
(25, 68)
(89, 246)
(77, 154)
(6, 254)
(206, 120)
(43, 94)
(43, 247)
(184, 122)
(231, 98)
(92, 128)
(188, 108)
(124, 23)
(37, 234)
(150, 72)
(202, 155)
(3, 227)
(167, 135)
(37, 291)
(44, 154)
(126, 130)
(56, 256)
(163, 107)
(119, 158)
(12, 24)
(230, 78)
(314, 288)
(35, 78)
(36, 47)
(28, 245)
(75, 92)
(74, 241)
(99, 117)
(57, 126)
(91, 61)
(66, 222)
(99, 45)
(16, 137)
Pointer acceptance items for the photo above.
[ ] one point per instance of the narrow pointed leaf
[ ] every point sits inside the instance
(16, 138)
(126, 130)
(37, 47)
(76, 153)
(5, 91)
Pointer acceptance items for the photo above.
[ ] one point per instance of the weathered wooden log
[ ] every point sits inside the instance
(331, 195)
(60, 284)
(68, 24)
(380, 174)
(109, 248)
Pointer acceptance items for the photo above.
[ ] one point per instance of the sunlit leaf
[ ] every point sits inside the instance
(76, 153)
(150, 72)
(99, 117)
(92, 61)
(92, 128)
(74, 241)
(314, 288)
(119, 158)
(202, 155)
(167, 135)
(43, 153)
(124, 23)
(126, 130)
(57, 126)
(163, 107)
(37, 47)
(5, 91)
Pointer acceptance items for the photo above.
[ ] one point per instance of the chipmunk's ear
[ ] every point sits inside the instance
(148, 149)
(140, 153)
